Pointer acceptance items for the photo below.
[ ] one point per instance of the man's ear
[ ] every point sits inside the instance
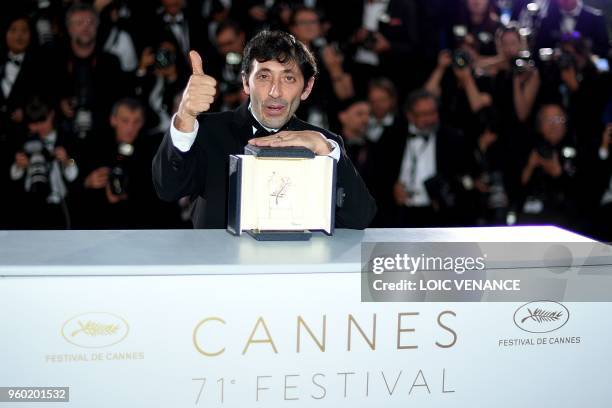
(307, 89)
(245, 84)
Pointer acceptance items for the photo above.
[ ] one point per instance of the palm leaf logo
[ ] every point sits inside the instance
(92, 329)
(541, 316)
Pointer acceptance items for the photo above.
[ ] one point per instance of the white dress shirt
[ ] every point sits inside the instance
(418, 165)
(377, 127)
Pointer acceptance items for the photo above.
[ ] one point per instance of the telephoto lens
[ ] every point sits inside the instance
(38, 167)
(118, 176)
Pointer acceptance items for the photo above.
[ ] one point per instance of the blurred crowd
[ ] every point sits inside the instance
(455, 112)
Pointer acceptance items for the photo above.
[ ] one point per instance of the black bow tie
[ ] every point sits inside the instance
(424, 136)
(15, 61)
(262, 131)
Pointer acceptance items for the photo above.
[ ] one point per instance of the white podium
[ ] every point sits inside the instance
(205, 319)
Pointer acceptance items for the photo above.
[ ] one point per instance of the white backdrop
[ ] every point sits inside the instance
(131, 341)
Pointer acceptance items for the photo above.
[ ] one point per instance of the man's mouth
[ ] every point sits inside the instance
(275, 109)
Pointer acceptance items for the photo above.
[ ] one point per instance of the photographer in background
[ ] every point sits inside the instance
(454, 82)
(117, 26)
(19, 74)
(518, 79)
(19, 79)
(385, 125)
(159, 78)
(476, 25)
(383, 41)
(575, 81)
(334, 83)
(183, 22)
(88, 80)
(549, 174)
(118, 191)
(230, 42)
(385, 120)
(515, 91)
(425, 174)
(44, 171)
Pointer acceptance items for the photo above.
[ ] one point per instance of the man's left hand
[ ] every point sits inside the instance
(310, 139)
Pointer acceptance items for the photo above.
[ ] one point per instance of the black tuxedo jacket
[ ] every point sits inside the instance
(202, 172)
(453, 159)
(26, 84)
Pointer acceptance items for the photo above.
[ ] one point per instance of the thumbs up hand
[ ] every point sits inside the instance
(197, 97)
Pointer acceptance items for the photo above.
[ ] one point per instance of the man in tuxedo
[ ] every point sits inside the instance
(177, 20)
(278, 72)
(424, 169)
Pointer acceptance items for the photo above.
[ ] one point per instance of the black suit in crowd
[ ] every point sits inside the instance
(453, 160)
(202, 172)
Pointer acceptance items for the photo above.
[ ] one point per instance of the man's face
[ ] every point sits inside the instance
(424, 115)
(307, 26)
(355, 118)
(18, 36)
(381, 102)
(82, 27)
(567, 5)
(276, 91)
(552, 124)
(172, 7)
(230, 41)
(42, 128)
(127, 124)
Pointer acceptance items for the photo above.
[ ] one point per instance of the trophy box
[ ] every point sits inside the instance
(281, 194)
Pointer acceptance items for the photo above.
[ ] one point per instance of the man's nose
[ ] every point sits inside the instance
(275, 90)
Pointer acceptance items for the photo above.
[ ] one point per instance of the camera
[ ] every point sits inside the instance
(522, 63)
(83, 118)
(164, 58)
(118, 176)
(461, 59)
(38, 167)
(232, 78)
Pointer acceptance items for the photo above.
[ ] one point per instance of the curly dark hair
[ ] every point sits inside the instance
(279, 46)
